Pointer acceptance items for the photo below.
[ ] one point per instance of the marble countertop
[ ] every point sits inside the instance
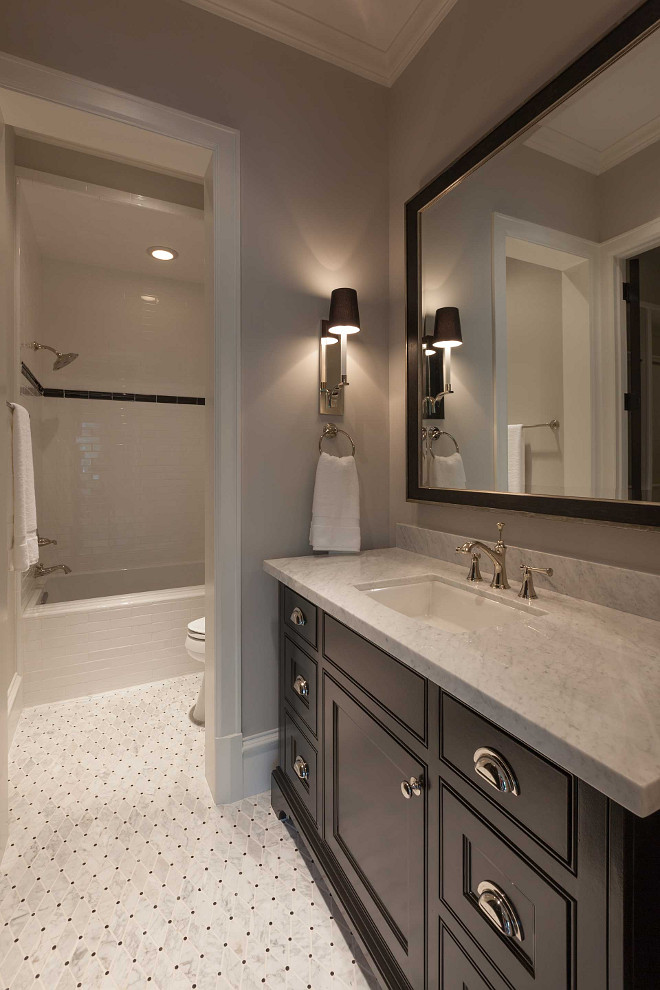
(580, 683)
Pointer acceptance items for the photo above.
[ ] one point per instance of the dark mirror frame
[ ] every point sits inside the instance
(640, 23)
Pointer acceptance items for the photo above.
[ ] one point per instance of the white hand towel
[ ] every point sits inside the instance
(516, 459)
(447, 472)
(336, 507)
(25, 550)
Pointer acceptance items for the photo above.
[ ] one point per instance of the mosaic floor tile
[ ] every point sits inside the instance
(121, 873)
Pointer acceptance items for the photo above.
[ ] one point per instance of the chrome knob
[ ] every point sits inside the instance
(301, 687)
(495, 770)
(499, 910)
(298, 617)
(412, 786)
(301, 769)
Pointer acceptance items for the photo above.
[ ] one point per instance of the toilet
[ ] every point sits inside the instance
(195, 648)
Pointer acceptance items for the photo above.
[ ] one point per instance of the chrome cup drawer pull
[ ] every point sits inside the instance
(298, 617)
(499, 910)
(301, 687)
(496, 771)
(301, 769)
(412, 786)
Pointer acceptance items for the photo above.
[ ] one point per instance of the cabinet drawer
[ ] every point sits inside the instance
(299, 686)
(458, 973)
(300, 763)
(488, 887)
(544, 803)
(400, 690)
(300, 615)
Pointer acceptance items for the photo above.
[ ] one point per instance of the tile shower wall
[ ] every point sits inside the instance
(125, 342)
(121, 483)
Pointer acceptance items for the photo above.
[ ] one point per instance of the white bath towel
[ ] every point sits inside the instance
(25, 550)
(336, 507)
(516, 459)
(447, 472)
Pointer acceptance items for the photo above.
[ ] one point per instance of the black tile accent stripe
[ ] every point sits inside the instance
(76, 393)
(33, 380)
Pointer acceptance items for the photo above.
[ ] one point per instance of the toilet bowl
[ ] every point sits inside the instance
(196, 648)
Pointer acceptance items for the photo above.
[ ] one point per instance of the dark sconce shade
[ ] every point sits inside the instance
(344, 314)
(447, 328)
(427, 346)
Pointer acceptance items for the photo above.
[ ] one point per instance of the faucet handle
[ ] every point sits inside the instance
(500, 527)
(527, 589)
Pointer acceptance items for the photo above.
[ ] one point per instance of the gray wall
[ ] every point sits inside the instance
(482, 62)
(314, 216)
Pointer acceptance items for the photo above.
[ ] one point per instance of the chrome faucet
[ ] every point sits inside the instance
(41, 571)
(497, 554)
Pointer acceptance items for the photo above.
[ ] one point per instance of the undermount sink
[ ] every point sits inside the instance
(448, 605)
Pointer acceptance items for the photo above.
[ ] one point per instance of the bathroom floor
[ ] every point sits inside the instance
(121, 872)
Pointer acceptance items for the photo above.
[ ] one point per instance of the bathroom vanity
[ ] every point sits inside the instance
(483, 800)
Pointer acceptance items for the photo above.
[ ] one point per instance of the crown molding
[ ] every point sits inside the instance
(567, 149)
(310, 35)
(631, 144)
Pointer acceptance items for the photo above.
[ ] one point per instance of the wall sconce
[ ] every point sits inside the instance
(447, 335)
(343, 319)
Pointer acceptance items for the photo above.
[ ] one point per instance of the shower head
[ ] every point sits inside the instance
(61, 360)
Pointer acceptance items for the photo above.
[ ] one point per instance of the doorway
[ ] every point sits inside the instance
(37, 103)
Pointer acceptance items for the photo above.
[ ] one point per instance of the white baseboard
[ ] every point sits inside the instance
(260, 753)
(224, 768)
(14, 705)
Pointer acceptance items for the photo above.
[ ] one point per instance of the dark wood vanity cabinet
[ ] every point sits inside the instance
(447, 880)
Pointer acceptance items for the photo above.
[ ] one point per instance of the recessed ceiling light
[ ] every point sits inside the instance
(161, 253)
(149, 299)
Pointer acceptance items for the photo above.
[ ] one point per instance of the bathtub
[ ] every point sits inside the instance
(105, 584)
(87, 633)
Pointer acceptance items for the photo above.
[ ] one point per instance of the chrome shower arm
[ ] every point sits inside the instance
(40, 347)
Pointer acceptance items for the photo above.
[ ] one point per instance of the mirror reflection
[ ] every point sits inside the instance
(539, 365)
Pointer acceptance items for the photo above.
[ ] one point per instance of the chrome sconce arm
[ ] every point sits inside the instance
(331, 398)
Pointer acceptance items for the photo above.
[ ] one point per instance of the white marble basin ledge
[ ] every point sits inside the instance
(580, 682)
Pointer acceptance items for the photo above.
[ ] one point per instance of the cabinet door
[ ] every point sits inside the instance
(374, 830)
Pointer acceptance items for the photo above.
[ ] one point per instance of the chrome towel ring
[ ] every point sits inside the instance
(331, 430)
(433, 433)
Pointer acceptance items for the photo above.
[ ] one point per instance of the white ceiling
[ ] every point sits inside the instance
(373, 38)
(94, 226)
(612, 118)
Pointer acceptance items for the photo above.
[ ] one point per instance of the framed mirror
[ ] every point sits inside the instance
(533, 299)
